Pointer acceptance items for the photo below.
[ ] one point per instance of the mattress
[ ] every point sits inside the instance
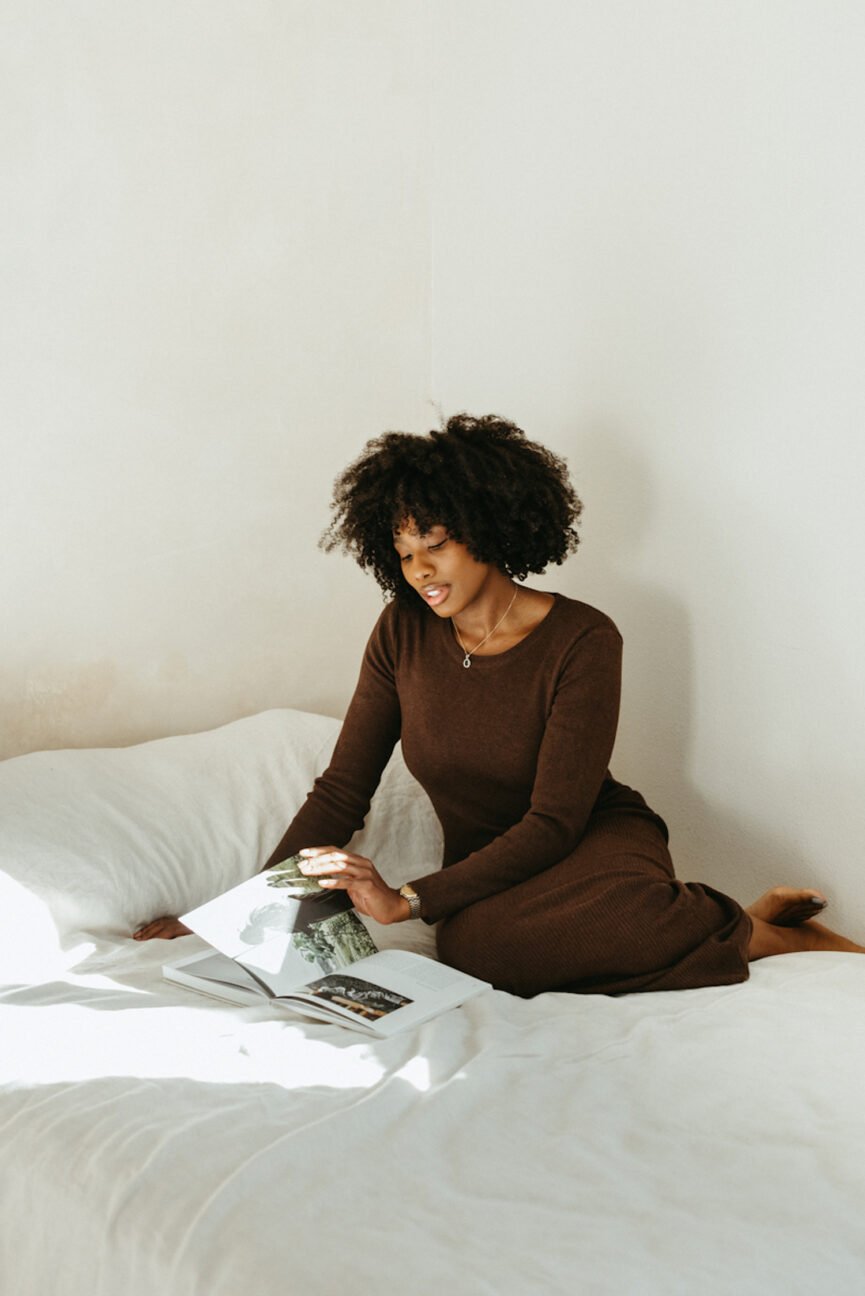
(156, 1141)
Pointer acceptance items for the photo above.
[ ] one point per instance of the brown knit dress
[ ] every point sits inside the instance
(555, 877)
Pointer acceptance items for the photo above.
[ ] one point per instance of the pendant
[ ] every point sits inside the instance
(467, 661)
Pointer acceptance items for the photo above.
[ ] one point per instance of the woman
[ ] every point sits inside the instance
(506, 699)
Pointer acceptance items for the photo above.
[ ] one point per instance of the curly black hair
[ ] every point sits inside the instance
(507, 499)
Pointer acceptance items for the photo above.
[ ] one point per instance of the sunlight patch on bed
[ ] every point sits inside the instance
(28, 935)
(98, 981)
(63, 1042)
(417, 1073)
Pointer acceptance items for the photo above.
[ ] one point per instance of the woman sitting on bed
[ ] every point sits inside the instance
(506, 699)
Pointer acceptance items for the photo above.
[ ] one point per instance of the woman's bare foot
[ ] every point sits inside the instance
(161, 929)
(769, 938)
(788, 906)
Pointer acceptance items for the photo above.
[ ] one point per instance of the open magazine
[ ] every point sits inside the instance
(281, 937)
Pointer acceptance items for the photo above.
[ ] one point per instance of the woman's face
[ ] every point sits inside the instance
(441, 570)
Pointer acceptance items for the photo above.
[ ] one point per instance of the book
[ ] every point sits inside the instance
(280, 937)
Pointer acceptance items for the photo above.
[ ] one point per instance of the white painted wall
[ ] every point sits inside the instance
(649, 252)
(214, 274)
(237, 239)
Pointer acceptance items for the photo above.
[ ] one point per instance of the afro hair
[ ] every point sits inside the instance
(507, 499)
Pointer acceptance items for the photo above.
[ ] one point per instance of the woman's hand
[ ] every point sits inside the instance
(163, 928)
(367, 889)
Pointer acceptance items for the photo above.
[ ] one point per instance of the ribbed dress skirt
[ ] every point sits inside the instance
(611, 918)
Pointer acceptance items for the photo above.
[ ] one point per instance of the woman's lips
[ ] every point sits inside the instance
(435, 594)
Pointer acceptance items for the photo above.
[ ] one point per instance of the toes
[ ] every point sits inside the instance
(795, 914)
(788, 906)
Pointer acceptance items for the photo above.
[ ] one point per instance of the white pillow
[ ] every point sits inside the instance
(103, 840)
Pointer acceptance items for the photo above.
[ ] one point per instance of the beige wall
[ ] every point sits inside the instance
(237, 239)
(649, 250)
(214, 268)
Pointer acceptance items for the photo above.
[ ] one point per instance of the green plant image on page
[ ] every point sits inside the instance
(287, 875)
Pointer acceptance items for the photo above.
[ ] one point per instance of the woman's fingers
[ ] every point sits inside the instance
(314, 854)
(344, 875)
(341, 870)
(324, 864)
(327, 859)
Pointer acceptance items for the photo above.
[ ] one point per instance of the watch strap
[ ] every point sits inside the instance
(409, 893)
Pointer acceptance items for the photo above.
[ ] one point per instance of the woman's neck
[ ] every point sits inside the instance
(527, 611)
(490, 610)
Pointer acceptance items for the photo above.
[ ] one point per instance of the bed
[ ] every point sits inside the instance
(157, 1142)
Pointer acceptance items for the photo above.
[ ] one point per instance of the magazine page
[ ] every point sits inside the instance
(283, 934)
(408, 989)
(216, 975)
(390, 991)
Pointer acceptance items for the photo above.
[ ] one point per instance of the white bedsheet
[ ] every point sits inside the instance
(157, 1143)
(703, 1141)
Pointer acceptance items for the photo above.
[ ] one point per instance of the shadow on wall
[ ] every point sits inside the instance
(710, 841)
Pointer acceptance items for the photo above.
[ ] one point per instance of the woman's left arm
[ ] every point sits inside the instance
(573, 761)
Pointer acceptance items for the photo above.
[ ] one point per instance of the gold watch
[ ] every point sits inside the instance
(409, 893)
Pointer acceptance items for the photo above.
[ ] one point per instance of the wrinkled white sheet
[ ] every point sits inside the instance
(707, 1141)
(157, 1143)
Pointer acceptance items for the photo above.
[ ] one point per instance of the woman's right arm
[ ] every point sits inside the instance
(340, 798)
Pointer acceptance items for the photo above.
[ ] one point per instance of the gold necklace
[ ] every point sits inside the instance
(467, 660)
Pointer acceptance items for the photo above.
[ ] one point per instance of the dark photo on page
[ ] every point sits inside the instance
(361, 997)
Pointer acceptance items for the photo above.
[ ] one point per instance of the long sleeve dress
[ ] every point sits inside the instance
(555, 876)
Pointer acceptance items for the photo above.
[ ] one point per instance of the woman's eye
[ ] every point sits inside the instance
(432, 548)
